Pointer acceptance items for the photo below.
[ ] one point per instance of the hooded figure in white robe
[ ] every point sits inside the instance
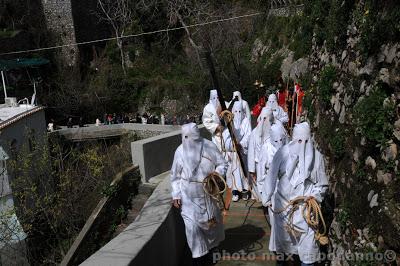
(279, 113)
(259, 137)
(277, 138)
(236, 180)
(300, 171)
(245, 105)
(194, 159)
(211, 119)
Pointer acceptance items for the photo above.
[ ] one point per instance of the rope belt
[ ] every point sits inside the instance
(214, 185)
(312, 214)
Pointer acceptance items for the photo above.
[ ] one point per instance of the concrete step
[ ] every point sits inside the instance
(246, 236)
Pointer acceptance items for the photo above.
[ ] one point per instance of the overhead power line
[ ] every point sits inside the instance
(133, 35)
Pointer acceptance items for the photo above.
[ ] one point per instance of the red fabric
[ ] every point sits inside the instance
(300, 95)
(282, 96)
(258, 107)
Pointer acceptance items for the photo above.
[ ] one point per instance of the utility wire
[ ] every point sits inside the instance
(133, 35)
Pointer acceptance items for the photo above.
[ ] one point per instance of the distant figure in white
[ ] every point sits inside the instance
(162, 119)
(279, 113)
(50, 127)
(194, 160)
(245, 105)
(300, 171)
(235, 177)
(98, 122)
(211, 119)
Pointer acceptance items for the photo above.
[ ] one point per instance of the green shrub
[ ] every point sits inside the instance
(337, 143)
(325, 89)
(378, 23)
(373, 118)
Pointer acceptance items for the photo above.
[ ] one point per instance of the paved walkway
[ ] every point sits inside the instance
(246, 236)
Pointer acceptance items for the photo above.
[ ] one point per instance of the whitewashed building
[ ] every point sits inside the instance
(20, 125)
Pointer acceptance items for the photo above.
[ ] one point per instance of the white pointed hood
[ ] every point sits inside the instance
(302, 148)
(192, 144)
(266, 119)
(272, 102)
(238, 94)
(214, 100)
(238, 115)
(278, 135)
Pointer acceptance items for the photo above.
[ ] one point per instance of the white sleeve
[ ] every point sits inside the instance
(176, 171)
(271, 177)
(246, 136)
(282, 116)
(248, 112)
(221, 165)
(321, 186)
(251, 154)
(208, 121)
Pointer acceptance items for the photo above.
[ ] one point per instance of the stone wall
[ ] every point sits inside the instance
(58, 14)
(351, 77)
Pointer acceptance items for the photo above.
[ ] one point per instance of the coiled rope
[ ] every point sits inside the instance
(312, 214)
(227, 115)
(214, 185)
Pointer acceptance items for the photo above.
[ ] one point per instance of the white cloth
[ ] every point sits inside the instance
(286, 166)
(278, 111)
(211, 119)
(242, 129)
(197, 207)
(98, 123)
(278, 138)
(244, 103)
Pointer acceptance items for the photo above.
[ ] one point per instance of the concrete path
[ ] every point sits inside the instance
(246, 236)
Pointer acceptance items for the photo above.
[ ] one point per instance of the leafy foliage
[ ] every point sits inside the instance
(325, 89)
(374, 118)
(56, 186)
(337, 143)
(378, 24)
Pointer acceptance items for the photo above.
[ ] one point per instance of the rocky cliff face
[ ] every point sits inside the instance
(352, 76)
(354, 112)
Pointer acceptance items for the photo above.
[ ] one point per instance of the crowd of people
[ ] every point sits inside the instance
(111, 119)
(285, 173)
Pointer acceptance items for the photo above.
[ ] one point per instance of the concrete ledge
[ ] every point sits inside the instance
(116, 130)
(155, 155)
(156, 237)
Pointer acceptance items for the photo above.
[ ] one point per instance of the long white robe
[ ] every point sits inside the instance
(211, 121)
(279, 114)
(197, 207)
(254, 154)
(286, 166)
(267, 155)
(235, 177)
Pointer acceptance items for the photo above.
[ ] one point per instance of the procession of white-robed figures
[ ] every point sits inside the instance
(286, 174)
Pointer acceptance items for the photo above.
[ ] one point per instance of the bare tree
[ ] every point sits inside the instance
(119, 14)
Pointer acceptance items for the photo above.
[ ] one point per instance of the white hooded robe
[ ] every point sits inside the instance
(192, 163)
(211, 119)
(244, 103)
(235, 177)
(258, 137)
(300, 171)
(279, 113)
